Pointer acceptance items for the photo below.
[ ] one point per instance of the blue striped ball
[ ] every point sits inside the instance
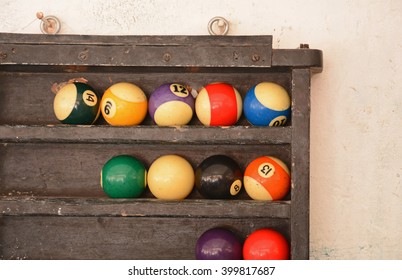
(267, 104)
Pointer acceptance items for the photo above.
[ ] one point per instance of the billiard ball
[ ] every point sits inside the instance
(171, 177)
(218, 244)
(171, 105)
(124, 104)
(267, 178)
(76, 103)
(123, 176)
(218, 104)
(266, 244)
(267, 104)
(218, 176)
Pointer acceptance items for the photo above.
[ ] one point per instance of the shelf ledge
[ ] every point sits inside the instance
(144, 134)
(106, 207)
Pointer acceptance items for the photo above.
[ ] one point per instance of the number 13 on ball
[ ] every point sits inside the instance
(267, 178)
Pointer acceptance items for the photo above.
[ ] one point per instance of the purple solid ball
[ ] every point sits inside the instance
(218, 244)
(171, 104)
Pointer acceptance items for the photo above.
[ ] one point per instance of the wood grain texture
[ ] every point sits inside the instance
(202, 51)
(300, 179)
(247, 135)
(105, 207)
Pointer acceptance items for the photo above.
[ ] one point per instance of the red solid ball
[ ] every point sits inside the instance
(266, 244)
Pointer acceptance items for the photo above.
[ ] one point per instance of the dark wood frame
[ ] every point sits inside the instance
(46, 213)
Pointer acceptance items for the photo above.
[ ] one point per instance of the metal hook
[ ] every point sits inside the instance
(49, 24)
(222, 24)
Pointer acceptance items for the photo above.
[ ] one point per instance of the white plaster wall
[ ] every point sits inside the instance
(356, 118)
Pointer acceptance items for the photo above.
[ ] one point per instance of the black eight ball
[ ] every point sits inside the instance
(218, 177)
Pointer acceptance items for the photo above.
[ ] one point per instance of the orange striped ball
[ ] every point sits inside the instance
(267, 178)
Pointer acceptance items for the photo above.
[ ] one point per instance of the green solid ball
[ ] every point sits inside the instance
(123, 176)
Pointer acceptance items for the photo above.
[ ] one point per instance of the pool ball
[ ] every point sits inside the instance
(171, 105)
(218, 244)
(267, 178)
(218, 177)
(124, 104)
(123, 176)
(76, 103)
(266, 244)
(218, 104)
(267, 104)
(171, 177)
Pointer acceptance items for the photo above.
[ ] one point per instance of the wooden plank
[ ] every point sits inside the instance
(178, 51)
(248, 135)
(144, 56)
(142, 40)
(310, 58)
(300, 179)
(41, 237)
(104, 207)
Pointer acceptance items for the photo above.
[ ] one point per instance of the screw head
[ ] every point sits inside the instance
(167, 57)
(255, 57)
(83, 55)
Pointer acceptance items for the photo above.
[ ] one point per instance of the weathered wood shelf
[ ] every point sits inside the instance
(149, 51)
(145, 134)
(51, 202)
(105, 207)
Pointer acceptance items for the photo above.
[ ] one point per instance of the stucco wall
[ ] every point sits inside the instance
(356, 150)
